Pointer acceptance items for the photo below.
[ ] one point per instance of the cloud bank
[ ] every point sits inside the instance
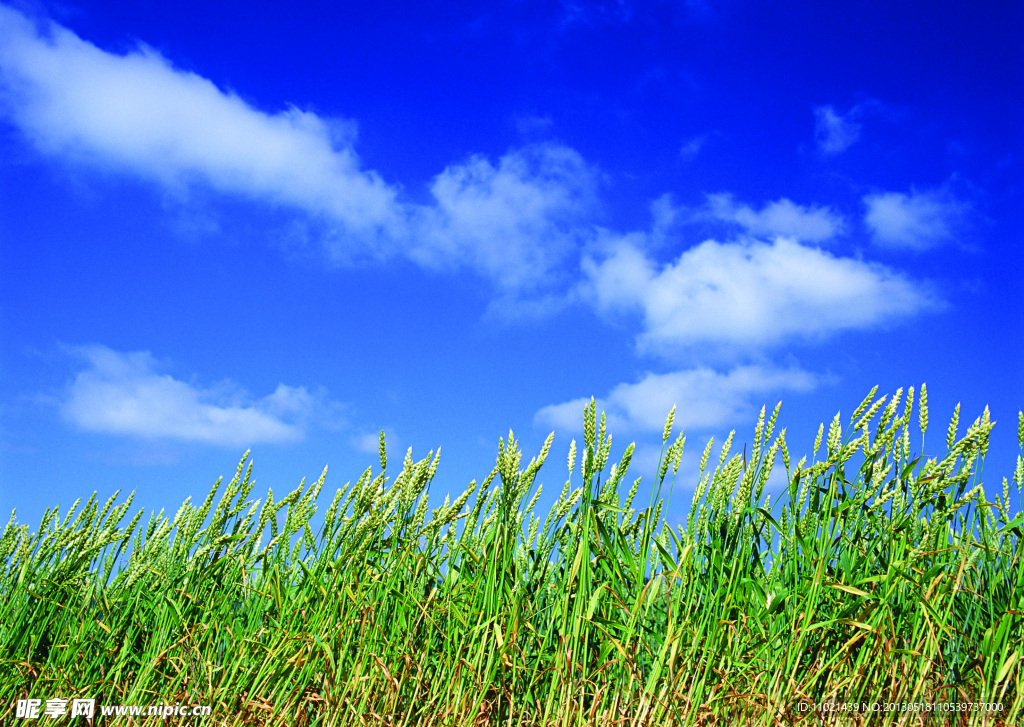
(125, 394)
(517, 221)
(138, 114)
(736, 297)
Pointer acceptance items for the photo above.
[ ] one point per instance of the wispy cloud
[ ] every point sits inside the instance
(368, 442)
(834, 132)
(780, 218)
(914, 220)
(126, 394)
(139, 114)
(704, 399)
(746, 294)
(593, 11)
(533, 125)
(691, 147)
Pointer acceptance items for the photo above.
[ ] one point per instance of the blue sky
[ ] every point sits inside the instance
(286, 227)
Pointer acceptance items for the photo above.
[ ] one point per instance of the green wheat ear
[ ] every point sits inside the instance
(668, 424)
(862, 407)
(817, 440)
(953, 424)
(922, 412)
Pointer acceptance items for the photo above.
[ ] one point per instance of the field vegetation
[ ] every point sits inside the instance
(875, 575)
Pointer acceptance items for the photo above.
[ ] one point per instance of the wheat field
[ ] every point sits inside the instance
(880, 586)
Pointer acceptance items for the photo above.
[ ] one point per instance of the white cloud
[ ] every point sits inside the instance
(783, 217)
(514, 221)
(915, 221)
(510, 221)
(833, 132)
(138, 112)
(749, 294)
(704, 399)
(124, 393)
